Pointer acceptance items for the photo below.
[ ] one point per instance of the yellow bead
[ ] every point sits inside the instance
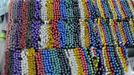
(51, 39)
(31, 62)
(78, 60)
(87, 36)
(86, 12)
(50, 9)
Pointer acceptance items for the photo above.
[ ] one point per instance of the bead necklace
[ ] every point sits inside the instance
(56, 10)
(44, 54)
(104, 6)
(83, 59)
(121, 9)
(119, 69)
(84, 63)
(113, 10)
(111, 62)
(31, 11)
(123, 35)
(109, 33)
(47, 62)
(118, 33)
(44, 14)
(126, 8)
(10, 23)
(93, 42)
(16, 62)
(31, 62)
(101, 32)
(126, 56)
(69, 9)
(52, 62)
(130, 3)
(24, 26)
(130, 33)
(64, 62)
(36, 25)
(76, 33)
(72, 61)
(87, 60)
(75, 8)
(95, 57)
(96, 8)
(62, 30)
(70, 33)
(104, 31)
(67, 60)
(101, 9)
(109, 9)
(11, 58)
(129, 9)
(13, 26)
(63, 9)
(44, 28)
(106, 60)
(50, 37)
(76, 25)
(118, 10)
(115, 40)
(56, 34)
(92, 9)
(98, 35)
(39, 62)
(82, 33)
(115, 60)
(78, 61)
(126, 32)
(121, 56)
(7, 63)
(87, 36)
(44, 35)
(82, 12)
(95, 34)
(90, 61)
(85, 9)
(57, 62)
(101, 64)
(50, 10)
(18, 24)
(24, 62)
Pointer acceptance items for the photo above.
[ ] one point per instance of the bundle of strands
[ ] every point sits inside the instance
(70, 37)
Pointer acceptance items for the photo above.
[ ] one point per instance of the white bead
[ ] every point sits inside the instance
(82, 34)
(24, 63)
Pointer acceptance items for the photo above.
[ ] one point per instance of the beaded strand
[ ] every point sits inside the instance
(36, 25)
(16, 62)
(24, 62)
(39, 63)
(31, 62)
(24, 26)
(72, 61)
(113, 10)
